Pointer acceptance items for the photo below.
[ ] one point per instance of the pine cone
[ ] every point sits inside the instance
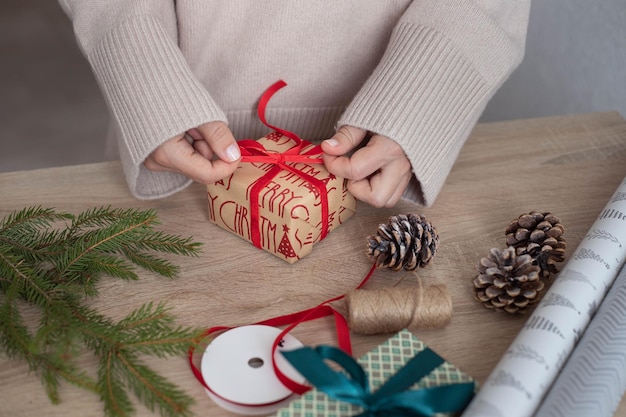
(406, 241)
(507, 282)
(541, 236)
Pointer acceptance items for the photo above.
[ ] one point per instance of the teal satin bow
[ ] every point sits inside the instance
(393, 398)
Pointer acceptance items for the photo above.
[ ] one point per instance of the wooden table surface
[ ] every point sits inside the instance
(569, 166)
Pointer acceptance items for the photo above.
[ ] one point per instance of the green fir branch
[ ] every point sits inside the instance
(22, 278)
(113, 267)
(29, 232)
(54, 261)
(155, 241)
(16, 339)
(100, 217)
(152, 263)
(56, 369)
(112, 390)
(153, 390)
(150, 330)
(147, 317)
(28, 222)
(94, 242)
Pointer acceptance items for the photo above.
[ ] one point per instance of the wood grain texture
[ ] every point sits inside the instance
(567, 165)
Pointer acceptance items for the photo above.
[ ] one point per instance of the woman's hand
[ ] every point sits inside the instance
(213, 154)
(377, 173)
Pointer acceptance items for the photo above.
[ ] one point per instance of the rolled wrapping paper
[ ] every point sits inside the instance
(526, 371)
(593, 380)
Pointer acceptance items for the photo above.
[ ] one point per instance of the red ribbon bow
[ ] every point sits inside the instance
(253, 151)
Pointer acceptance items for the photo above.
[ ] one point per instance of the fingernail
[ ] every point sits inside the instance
(332, 142)
(232, 153)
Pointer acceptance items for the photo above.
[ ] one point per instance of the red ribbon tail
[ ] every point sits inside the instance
(264, 100)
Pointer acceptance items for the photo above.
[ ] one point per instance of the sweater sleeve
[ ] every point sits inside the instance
(150, 90)
(444, 62)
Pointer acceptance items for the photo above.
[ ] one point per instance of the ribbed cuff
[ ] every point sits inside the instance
(153, 96)
(427, 97)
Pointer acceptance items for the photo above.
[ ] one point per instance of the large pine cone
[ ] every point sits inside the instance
(539, 235)
(507, 282)
(406, 241)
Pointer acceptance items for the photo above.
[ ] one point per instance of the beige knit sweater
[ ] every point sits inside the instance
(419, 72)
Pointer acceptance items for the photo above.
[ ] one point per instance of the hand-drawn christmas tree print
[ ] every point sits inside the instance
(507, 379)
(604, 235)
(585, 253)
(573, 275)
(619, 196)
(544, 324)
(610, 213)
(285, 248)
(526, 352)
(555, 299)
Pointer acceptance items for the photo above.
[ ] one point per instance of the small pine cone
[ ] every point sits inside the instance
(507, 282)
(406, 241)
(541, 236)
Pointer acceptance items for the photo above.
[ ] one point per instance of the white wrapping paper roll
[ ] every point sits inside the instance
(237, 368)
(526, 371)
(593, 380)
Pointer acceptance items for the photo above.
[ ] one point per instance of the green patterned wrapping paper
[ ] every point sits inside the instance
(379, 364)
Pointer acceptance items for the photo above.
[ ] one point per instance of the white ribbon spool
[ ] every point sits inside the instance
(237, 368)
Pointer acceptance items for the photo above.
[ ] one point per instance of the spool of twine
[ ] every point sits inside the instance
(393, 309)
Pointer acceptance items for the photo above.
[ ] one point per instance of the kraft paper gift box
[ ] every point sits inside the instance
(380, 364)
(278, 200)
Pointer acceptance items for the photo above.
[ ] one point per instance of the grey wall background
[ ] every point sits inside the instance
(575, 62)
(51, 112)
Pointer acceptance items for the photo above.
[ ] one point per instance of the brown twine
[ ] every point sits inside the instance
(393, 309)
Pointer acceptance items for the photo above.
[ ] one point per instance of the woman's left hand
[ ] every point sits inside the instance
(377, 173)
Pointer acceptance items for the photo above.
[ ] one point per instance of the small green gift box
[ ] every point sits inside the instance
(401, 377)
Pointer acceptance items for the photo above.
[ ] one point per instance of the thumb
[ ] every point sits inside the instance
(344, 140)
(221, 140)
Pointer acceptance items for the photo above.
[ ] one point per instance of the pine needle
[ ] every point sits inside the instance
(54, 261)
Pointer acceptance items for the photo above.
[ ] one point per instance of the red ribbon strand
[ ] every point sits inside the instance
(291, 321)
